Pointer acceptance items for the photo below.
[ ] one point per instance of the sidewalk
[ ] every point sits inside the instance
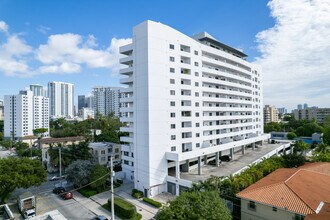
(92, 205)
(147, 211)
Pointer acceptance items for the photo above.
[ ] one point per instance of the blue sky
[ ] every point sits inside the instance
(49, 39)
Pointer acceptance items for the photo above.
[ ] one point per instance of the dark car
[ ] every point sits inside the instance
(58, 190)
(225, 158)
(68, 195)
(212, 162)
(100, 217)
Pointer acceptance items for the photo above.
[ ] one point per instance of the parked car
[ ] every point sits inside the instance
(59, 190)
(212, 162)
(29, 214)
(225, 158)
(68, 195)
(54, 178)
(100, 217)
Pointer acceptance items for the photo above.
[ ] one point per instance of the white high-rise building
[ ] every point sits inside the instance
(38, 90)
(1, 110)
(186, 99)
(24, 113)
(106, 100)
(61, 98)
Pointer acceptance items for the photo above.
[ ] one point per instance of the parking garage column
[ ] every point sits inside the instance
(185, 166)
(253, 146)
(217, 159)
(177, 169)
(205, 160)
(243, 149)
(232, 153)
(199, 165)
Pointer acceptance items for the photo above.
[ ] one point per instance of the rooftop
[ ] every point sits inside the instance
(300, 190)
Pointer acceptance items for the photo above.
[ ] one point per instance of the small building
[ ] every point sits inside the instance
(102, 151)
(279, 135)
(44, 145)
(51, 215)
(288, 194)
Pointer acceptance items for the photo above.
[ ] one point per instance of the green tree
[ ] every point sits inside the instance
(300, 146)
(293, 160)
(19, 173)
(291, 135)
(326, 135)
(196, 205)
(79, 172)
(40, 131)
(98, 177)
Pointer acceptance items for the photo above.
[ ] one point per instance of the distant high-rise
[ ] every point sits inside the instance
(305, 106)
(61, 98)
(1, 110)
(282, 110)
(24, 113)
(299, 106)
(37, 90)
(106, 100)
(81, 102)
(89, 101)
(270, 114)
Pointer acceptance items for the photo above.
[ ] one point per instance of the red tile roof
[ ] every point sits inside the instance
(299, 190)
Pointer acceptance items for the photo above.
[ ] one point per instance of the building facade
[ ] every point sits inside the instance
(61, 98)
(270, 114)
(81, 102)
(103, 151)
(282, 111)
(1, 110)
(319, 114)
(186, 98)
(38, 90)
(87, 113)
(106, 100)
(24, 113)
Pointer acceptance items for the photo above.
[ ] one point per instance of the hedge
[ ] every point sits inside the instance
(137, 194)
(87, 192)
(123, 209)
(152, 202)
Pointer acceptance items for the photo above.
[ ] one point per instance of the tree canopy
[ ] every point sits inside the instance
(196, 205)
(19, 173)
(79, 172)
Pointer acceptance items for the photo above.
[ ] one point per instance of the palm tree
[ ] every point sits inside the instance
(300, 146)
(322, 149)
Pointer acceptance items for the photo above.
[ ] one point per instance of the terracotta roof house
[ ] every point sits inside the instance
(289, 194)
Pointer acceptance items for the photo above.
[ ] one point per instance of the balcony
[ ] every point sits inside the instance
(126, 71)
(127, 109)
(126, 129)
(127, 49)
(126, 139)
(126, 90)
(126, 60)
(127, 80)
(126, 99)
(126, 119)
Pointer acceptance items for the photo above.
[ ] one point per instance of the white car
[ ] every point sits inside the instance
(29, 214)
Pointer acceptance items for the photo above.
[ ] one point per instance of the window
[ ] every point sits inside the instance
(126, 153)
(172, 92)
(116, 150)
(197, 114)
(197, 134)
(196, 63)
(197, 125)
(172, 81)
(196, 74)
(102, 151)
(172, 59)
(126, 162)
(172, 115)
(197, 145)
(172, 126)
(196, 94)
(173, 148)
(196, 104)
(252, 205)
(172, 46)
(172, 103)
(172, 70)
(173, 137)
(196, 84)
(196, 52)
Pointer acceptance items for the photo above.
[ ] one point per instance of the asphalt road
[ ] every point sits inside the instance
(48, 201)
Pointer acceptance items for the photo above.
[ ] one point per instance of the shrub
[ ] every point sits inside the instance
(123, 208)
(87, 192)
(152, 202)
(137, 194)
(291, 135)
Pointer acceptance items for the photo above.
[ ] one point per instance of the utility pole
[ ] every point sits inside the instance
(60, 160)
(112, 192)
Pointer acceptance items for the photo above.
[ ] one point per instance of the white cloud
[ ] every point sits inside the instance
(3, 27)
(62, 68)
(43, 29)
(71, 48)
(295, 53)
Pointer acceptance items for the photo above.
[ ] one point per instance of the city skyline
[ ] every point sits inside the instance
(45, 41)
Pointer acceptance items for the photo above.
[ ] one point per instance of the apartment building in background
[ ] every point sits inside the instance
(38, 90)
(310, 113)
(282, 110)
(270, 114)
(1, 110)
(103, 151)
(81, 102)
(61, 98)
(24, 113)
(185, 99)
(106, 100)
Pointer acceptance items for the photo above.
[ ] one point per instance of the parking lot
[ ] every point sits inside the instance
(228, 168)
